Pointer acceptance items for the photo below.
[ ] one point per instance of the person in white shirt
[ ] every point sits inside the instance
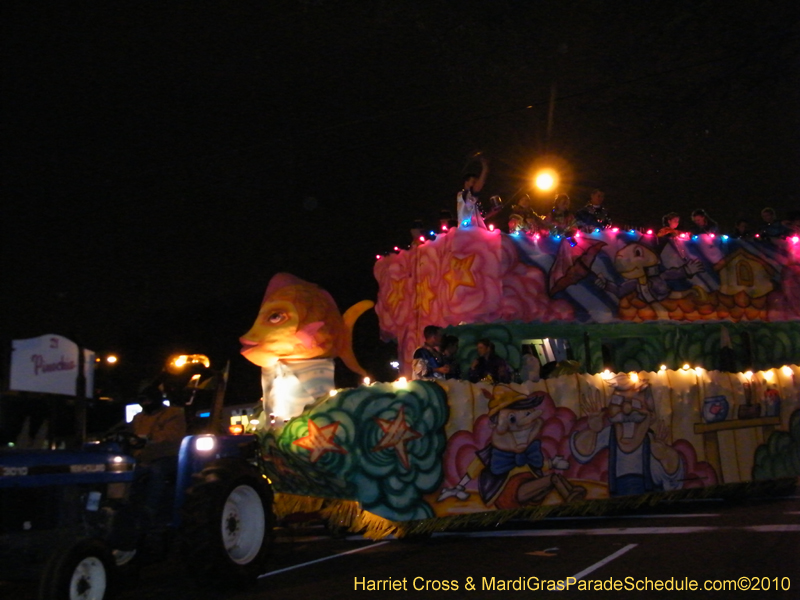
(469, 213)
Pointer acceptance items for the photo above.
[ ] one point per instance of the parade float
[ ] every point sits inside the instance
(683, 379)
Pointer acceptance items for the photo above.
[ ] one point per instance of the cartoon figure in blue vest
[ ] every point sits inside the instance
(638, 462)
(512, 470)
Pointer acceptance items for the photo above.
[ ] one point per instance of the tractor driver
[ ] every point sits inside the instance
(158, 431)
(162, 428)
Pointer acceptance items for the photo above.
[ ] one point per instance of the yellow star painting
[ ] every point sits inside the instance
(320, 440)
(396, 434)
(396, 293)
(425, 295)
(460, 273)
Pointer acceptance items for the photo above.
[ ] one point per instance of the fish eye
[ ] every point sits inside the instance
(277, 317)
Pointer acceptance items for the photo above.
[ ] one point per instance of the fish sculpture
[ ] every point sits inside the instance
(299, 320)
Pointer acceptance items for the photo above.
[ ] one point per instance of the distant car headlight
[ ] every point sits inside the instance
(206, 443)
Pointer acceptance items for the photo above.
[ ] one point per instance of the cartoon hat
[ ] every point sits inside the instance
(504, 396)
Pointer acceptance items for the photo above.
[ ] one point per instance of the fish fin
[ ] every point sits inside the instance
(307, 333)
(350, 317)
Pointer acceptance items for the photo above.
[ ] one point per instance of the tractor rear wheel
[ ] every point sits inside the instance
(226, 530)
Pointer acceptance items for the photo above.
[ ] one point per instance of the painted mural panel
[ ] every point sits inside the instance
(380, 444)
(478, 276)
(423, 449)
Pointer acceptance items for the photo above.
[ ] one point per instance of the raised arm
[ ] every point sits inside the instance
(482, 178)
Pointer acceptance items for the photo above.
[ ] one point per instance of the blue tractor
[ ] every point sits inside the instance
(64, 513)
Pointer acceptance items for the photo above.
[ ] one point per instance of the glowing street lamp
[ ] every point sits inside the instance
(546, 180)
(182, 360)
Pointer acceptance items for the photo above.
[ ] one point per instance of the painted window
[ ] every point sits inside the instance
(744, 274)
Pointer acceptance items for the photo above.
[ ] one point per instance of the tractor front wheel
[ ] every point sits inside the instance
(82, 571)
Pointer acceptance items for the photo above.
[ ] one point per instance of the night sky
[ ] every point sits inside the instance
(161, 161)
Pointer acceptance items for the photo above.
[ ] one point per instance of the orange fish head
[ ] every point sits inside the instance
(277, 334)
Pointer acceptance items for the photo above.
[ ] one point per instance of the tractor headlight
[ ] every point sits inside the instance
(205, 443)
(118, 464)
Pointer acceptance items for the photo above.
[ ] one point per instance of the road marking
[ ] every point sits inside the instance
(772, 528)
(319, 560)
(792, 512)
(605, 561)
(566, 532)
(617, 531)
(608, 517)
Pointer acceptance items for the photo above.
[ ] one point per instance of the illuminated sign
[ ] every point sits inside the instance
(49, 364)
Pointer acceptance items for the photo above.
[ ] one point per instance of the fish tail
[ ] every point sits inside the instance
(346, 348)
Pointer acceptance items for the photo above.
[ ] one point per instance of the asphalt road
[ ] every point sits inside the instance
(754, 543)
(700, 541)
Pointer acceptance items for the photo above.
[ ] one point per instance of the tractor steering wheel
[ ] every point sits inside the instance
(126, 439)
